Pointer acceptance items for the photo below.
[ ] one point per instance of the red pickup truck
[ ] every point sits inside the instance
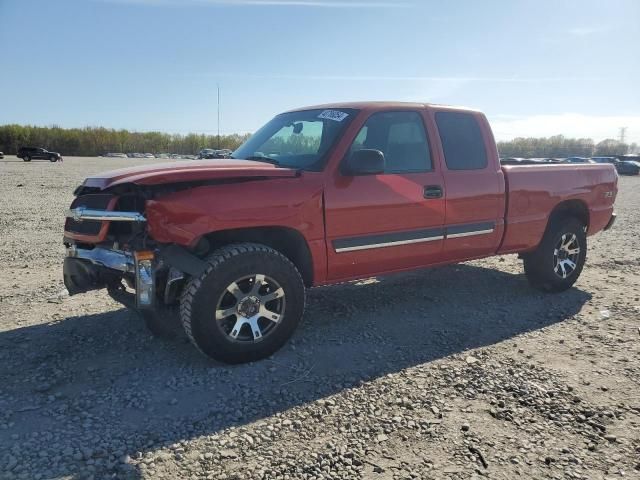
(321, 195)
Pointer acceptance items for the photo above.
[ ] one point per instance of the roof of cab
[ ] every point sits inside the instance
(381, 105)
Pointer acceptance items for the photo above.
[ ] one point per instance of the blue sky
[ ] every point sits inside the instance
(535, 67)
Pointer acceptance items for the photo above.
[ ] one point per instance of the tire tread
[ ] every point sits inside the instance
(535, 262)
(214, 261)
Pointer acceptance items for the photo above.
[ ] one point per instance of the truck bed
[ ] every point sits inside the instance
(533, 191)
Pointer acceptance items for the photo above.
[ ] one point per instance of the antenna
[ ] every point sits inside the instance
(218, 85)
(623, 131)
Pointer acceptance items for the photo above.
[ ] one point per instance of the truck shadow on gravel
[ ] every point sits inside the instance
(99, 391)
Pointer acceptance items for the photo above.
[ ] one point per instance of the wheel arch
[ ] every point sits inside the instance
(570, 208)
(286, 240)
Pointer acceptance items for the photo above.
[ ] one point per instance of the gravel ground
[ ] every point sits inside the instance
(457, 372)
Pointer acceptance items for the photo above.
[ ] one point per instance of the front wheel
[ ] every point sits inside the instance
(245, 305)
(26, 158)
(558, 261)
(53, 159)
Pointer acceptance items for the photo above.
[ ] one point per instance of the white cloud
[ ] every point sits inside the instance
(584, 31)
(598, 127)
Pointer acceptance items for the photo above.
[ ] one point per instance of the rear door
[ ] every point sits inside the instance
(474, 183)
(390, 221)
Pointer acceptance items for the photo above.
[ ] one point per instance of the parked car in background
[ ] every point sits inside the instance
(577, 160)
(628, 158)
(148, 155)
(612, 160)
(116, 155)
(204, 152)
(628, 167)
(35, 153)
(222, 153)
(526, 161)
(623, 167)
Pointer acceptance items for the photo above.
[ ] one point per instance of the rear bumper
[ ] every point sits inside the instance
(611, 221)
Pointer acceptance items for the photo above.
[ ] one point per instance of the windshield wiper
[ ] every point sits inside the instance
(259, 158)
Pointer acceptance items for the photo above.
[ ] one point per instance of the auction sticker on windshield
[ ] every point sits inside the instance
(335, 115)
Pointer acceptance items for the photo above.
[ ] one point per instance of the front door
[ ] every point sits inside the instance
(389, 221)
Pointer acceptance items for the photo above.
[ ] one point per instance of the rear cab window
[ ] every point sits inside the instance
(462, 141)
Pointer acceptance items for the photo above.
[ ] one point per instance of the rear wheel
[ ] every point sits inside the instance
(558, 261)
(26, 158)
(245, 305)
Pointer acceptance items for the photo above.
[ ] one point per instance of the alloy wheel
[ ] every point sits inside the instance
(250, 308)
(565, 255)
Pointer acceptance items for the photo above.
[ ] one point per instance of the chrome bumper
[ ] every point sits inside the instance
(84, 271)
(114, 259)
(82, 213)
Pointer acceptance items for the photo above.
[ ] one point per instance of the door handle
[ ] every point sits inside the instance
(432, 191)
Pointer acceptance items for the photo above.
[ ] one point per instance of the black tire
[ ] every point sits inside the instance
(26, 158)
(53, 159)
(203, 294)
(540, 266)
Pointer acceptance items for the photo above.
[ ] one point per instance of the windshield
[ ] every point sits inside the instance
(297, 139)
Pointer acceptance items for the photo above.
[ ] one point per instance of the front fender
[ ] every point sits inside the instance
(183, 217)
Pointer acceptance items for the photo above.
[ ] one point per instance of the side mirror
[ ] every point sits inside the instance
(365, 162)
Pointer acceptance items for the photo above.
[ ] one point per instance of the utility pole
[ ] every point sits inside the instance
(218, 85)
(623, 131)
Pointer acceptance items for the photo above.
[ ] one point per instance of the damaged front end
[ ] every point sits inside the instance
(107, 246)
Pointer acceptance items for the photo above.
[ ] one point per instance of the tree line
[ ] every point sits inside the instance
(559, 146)
(92, 141)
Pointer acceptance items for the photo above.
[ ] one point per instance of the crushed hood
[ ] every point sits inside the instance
(187, 171)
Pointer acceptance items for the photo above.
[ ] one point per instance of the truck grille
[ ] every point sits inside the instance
(100, 201)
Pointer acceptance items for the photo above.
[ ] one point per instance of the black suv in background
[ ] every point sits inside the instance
(29, 153)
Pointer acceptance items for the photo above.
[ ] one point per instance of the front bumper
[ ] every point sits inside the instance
(96, 268)
(92, 269)
(104, 257)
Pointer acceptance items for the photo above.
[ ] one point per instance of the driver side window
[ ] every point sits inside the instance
(401, 137)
